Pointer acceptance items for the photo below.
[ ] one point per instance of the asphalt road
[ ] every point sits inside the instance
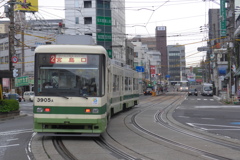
(16, 133)
(207, 114)
(202, 112)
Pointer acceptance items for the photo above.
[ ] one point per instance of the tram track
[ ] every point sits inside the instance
(166, 123)
(161, 117)
(166, 113)
(128, 156)
(62, 150)
(116, 152)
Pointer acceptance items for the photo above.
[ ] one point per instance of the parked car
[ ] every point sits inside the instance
(193, 92)
(12, 96)
(29, 96)
(148, 91)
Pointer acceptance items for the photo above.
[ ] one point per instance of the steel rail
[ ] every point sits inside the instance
(62, 150)
(169, 141)
(195, 134)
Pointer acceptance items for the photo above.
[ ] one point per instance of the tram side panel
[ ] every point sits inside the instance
(116, 89)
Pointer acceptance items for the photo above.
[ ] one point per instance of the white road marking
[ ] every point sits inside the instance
(12, 139)
(220, 106)
(221, 127)
(208, 118)
(12, 145)
(16, 132)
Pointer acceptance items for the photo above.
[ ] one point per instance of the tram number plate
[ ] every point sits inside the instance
(44, 100)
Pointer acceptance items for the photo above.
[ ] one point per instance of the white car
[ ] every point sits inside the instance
(183, 89)
(29, 96)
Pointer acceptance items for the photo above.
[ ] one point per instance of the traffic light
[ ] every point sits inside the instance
(15, 72)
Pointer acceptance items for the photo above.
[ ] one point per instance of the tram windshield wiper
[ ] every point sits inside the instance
(62, 96)
(85, 96)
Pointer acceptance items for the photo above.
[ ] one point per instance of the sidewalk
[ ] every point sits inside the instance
(223, 97)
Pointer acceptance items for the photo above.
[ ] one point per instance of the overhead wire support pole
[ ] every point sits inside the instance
(11, 33)
(11, 36)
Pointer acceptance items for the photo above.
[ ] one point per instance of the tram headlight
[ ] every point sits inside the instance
(39, 109)
(87, 110)
(95, 110)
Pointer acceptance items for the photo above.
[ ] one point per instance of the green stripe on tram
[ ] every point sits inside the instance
(130, 96)
(125, 97)
(70, 110)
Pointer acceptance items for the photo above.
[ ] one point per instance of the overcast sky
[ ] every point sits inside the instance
(183, 19)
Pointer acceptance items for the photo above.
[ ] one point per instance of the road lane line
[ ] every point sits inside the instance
(12, 145)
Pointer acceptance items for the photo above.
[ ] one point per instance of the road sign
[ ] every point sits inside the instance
(167, 76)
(14, 59)
(139, 68)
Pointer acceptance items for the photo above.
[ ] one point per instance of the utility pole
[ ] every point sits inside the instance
(230, 44)
(11, 36)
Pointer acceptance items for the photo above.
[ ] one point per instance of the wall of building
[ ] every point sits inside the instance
(161, 45)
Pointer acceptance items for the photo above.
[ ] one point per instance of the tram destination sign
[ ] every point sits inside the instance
(68, 59)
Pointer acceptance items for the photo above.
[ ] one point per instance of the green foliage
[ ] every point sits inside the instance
(8, 105)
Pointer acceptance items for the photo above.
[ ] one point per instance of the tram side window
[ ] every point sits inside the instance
(130, 84)
(135, 84)
(114, 83)
(122, 84)
(126, 83)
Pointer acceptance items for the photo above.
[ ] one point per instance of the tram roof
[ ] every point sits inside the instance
(70, 49)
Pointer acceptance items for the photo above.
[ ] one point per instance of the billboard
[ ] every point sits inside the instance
(223, 22)
(152, 70)
(32, 7)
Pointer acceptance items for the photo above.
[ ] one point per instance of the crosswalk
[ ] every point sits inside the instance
(200, 99)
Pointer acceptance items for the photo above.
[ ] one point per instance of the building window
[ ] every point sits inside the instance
(6, 59)
(6, 46)
(87, 20)
(1, 47)
(76, 20)
(1, 60)
(87, 4)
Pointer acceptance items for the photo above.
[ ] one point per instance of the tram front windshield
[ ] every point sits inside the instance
(69, 75)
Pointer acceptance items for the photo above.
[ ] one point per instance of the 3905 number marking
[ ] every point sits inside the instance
(44, 100)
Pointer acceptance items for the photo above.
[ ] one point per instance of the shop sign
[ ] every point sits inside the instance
(109, 52)
(21, 81)
(104, 20)
(104, 37)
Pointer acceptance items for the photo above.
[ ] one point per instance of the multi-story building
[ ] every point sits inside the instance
(176, 62)
(161, 45)
(150, 42)
(25, 44)
(103, 20)
(130, 54)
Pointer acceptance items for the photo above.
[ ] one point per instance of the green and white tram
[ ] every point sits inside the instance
(77, 89)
